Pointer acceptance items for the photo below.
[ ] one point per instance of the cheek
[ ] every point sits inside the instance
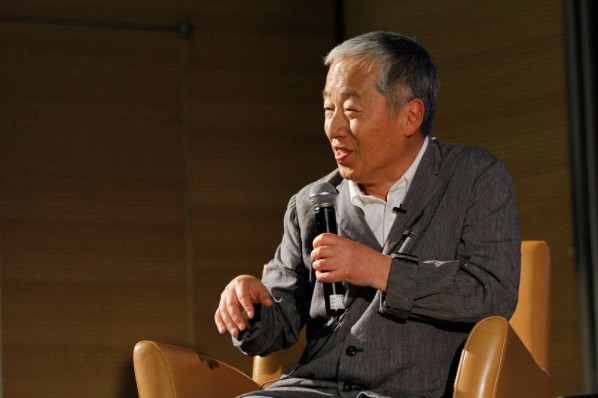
(327, 128)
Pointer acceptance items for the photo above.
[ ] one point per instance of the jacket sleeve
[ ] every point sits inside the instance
(287, 278)
(482, 278)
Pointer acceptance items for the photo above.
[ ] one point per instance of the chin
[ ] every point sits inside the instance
(347, 173)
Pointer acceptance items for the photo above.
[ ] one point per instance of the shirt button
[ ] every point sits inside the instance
(352, 350)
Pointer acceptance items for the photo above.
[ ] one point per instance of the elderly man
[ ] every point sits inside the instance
(428, 241)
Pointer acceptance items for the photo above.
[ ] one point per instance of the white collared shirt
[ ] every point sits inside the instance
(378, 213)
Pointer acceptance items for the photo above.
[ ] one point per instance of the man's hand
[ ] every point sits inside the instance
(339, 259)
(236, 303)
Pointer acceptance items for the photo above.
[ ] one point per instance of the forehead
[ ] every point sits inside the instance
(349, 78)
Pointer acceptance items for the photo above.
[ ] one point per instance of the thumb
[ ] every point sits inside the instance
(264, 298)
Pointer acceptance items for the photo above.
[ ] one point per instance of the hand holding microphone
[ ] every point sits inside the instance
(337, 259)
(323, 198)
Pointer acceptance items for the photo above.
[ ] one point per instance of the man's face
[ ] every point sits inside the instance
(368, 143)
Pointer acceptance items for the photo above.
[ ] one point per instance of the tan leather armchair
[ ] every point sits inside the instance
(512, 359)
(500, 358)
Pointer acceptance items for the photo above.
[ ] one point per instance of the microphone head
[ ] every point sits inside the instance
(322, 194)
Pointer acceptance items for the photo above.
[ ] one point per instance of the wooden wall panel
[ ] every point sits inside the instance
(140, 173)
(503, 87)
(91, 206)
(256, 109)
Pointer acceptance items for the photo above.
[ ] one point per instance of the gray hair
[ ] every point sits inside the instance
(406, 70)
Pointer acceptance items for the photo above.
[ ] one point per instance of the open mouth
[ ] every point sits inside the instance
(341, 154)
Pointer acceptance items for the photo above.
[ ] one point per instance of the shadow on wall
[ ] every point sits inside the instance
(128, 387)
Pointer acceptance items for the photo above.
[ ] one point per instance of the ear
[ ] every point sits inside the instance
(414, 113)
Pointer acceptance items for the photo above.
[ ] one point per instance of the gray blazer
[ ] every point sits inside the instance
(461, 265)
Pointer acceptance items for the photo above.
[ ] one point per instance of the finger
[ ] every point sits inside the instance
(265, 298)
(219, 322)
(234, 310)
(316, 253)
(322, 239)
(327, 277)
(329, 239)
(323, 252)
(227, 322)
(244, 301)
(226, 317)
(323, 265)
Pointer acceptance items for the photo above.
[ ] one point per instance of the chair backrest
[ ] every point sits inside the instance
(531, 320)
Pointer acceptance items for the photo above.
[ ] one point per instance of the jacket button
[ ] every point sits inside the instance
(352, 350)
(347, 387)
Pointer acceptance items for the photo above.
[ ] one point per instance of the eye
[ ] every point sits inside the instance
(351, 112)
(328, 111)
(350, 107)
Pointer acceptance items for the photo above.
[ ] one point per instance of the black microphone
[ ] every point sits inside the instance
(399, 209)
(323, 198)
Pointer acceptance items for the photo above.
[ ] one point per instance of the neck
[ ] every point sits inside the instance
(380, 189)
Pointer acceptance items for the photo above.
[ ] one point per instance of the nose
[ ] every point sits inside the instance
(337, 125)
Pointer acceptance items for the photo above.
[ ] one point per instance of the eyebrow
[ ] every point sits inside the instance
(345, 93)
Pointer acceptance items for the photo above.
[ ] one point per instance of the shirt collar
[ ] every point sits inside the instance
(358, 198)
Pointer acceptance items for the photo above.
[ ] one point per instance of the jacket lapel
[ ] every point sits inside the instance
(422, 189)
(352, 225)
(352, 222)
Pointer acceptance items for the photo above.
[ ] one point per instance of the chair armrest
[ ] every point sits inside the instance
(495, 364)
(166, 371)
